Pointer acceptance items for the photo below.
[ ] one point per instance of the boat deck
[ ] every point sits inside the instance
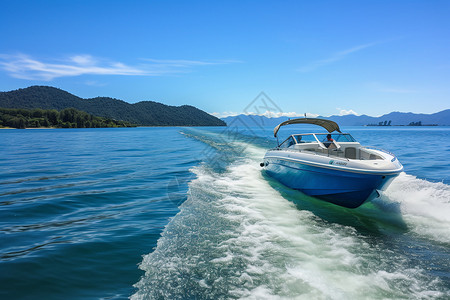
(348, 150)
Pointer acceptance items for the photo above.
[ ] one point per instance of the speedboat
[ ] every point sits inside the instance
(333, 167)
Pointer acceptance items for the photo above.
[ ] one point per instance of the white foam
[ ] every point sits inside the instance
(272, 250)
(425, 206)
(279, 239)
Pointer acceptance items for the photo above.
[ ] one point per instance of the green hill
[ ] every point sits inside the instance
(147, 113)
(66, 118)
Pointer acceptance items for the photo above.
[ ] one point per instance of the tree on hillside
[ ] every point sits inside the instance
(67, 118)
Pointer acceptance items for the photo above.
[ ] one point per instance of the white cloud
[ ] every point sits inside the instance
(310, 115)
(292, 114)
(173, 66)
(268, 114)
(343, 112)
(225, 114)
(83, 60)
(25, 67)
(335, 57)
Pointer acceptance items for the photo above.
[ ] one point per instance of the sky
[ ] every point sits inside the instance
(316, 57)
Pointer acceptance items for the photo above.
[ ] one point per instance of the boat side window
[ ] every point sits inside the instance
(288, 142)
(306, 138)
(344, 138)
(338, 137)
(323, 137)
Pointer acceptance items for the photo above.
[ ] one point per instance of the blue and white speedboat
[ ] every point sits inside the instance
(332, 167)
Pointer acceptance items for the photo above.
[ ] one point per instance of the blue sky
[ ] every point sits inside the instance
(316, 57)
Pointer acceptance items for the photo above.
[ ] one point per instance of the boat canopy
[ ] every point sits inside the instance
(330, 126)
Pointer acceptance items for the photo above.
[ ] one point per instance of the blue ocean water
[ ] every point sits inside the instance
(186, 213)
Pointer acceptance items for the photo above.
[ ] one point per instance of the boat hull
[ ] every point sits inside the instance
(333, 184)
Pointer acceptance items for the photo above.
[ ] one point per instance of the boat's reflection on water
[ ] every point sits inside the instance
(380, 216)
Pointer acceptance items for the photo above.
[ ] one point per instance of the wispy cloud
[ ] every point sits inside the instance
(26, 67)
(335, 57)
(188, 63)
(173, 66)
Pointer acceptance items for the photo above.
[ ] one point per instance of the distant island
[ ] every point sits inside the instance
(144, 113)
(441, 118)
(388, 123)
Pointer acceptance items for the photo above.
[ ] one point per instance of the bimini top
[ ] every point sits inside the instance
(327, 124)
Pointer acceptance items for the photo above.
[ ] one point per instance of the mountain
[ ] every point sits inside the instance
(397, 118)
(253, 120)
(441, 118)
(147, 113)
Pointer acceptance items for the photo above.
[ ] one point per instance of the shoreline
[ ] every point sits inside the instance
(181, 126)
(156, 126)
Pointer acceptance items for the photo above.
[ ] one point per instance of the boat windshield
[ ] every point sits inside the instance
(305, 138)
(338, 137)
(288, 142)
(315, 138)
(322, 137)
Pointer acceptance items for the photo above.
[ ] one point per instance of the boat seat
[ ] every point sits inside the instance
(330, 145)
(350, 153)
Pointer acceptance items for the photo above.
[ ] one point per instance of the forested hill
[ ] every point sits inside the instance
(142, 113)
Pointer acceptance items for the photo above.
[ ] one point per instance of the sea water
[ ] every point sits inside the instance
(187, 213)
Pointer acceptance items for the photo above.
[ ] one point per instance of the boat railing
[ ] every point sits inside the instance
(379, 149)
(327, 154)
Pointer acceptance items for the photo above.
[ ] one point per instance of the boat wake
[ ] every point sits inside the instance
(240, 234)
(425, 206)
